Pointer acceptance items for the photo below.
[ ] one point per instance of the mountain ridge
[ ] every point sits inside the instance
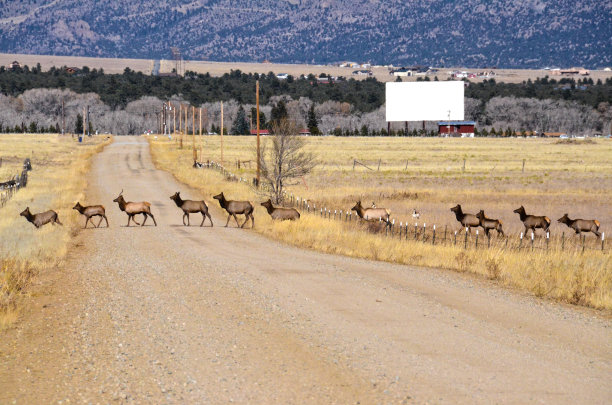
(512, 34)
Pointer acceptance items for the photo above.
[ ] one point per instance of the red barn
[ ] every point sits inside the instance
(464, 129)
(261, 132)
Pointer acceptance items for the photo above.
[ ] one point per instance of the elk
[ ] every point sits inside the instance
(532, 222)
(236, 207)
(91, 211)
(581, 225)
(134, 208)
(191, 207)
(467, 220)
(281, 213)
(489, 223)
(372, 214)
(41, 218)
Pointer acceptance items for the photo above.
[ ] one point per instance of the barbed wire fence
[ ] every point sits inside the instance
(10, 187)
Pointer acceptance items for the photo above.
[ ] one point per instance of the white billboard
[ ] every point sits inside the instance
(424, 101)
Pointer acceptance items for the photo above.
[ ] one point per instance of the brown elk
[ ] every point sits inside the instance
(92, 211)
(489, 223)
(236, 207)
(41, 218)
(533, 222)
(191, 207)
(134, 208)
(581, 225)
(467, 220)
(281, 213)
(372, 214)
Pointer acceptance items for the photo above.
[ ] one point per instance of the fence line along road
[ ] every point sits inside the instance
(434, 234)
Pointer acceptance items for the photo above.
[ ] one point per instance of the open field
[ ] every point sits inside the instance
(427, 174)
(381, 73)
(56, 182)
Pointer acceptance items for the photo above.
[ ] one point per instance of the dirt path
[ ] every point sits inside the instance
(215, 315)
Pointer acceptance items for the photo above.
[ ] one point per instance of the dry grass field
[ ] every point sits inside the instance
(381, 73)
(56, 182)
(427, 174)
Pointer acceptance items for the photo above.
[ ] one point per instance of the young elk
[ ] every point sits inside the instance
(134, 208)
(467, 220)
(190, 207)
(488, 223)
(236, 207)
(281, 213)
(581, 225)
(372, 214)
(532, 222)
(91, 211)
(41, 218)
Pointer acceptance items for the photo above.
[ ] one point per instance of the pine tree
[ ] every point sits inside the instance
(241, 125)
(313, 122)
(78, 126)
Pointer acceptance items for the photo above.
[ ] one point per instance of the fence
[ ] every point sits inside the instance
(436, 234)
(10, 187)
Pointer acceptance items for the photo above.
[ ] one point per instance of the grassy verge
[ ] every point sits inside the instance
(57, 180)
(570, 276)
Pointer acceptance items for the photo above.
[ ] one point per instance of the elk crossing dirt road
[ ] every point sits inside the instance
(175, 314)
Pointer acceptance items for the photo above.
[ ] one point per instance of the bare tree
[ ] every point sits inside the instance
(284, 162)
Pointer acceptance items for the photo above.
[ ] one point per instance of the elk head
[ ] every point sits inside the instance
(267, 204)
(519, 210)
(26, 212)
(77, 206)
(564, 219)
(357, 206)
(456, 209)
(219, 197)
(176, 196)
(119, 197)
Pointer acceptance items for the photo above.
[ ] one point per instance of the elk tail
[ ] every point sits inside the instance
(147, 204)
(596, 223)
(500, 221)
(547, 220)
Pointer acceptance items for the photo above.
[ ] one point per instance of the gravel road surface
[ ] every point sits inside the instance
(174, 314)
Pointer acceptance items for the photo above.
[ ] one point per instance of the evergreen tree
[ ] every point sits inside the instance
(278, 113)
(33, 128)
(313, 122)
(241, 125)
(78, 126)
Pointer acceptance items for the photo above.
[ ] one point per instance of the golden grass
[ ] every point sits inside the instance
(557, 178)
(57, 180)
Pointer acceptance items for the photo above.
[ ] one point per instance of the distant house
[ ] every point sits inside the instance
(14, 65)
(401, 72)
(282, 76)
(464, 129)
(304, 132)
(261, 132)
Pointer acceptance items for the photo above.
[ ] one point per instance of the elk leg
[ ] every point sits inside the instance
(252, 221)
(188, 223)
(237, 223)
(228, 218)
(184, 213)
(210, 218)
(100, 221)
(86, 221)
(153, 218)
(145, 218)
(203, 218)
(129, 218)
(246, 218)
(134, 219)
(106, 219)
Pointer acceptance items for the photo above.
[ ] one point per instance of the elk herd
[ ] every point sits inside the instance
(369, 214)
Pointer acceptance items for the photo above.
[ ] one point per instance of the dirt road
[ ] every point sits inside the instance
(171, 314)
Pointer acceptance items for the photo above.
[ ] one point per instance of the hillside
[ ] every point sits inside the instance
(518, 33)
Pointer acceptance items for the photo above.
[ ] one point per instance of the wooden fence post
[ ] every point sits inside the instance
(583, 239)
(415, 230)
(476, 243)
(424, 231)
(521, 241)
(532, 239)
(603, 236)
(562, 241)
(455, 238)
(433, 237)
(547, 239)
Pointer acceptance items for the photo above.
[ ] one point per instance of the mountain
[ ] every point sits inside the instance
(476, 33)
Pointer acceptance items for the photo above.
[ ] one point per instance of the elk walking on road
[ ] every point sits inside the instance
(533, 222)
(281, 213)
(91, 211)
(236, 207)
(191, 207)
(489, 223)
(372, 214)
(467, 220)
(134, 208)
(581, 225)
(41, 218)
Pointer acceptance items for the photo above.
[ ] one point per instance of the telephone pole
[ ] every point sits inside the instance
(258, 151)
(222, 133)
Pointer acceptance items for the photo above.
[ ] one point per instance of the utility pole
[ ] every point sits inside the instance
(88, 132)
(181, 125)
(200, 110)
(258, 152)
(222, 133)
(84, 118)
(63, 118)
(174, 123)
(193, 134)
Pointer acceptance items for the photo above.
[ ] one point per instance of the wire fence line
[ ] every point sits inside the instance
(435, 234)
(10, 187)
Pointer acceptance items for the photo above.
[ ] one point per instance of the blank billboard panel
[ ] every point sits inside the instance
(424, 101)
